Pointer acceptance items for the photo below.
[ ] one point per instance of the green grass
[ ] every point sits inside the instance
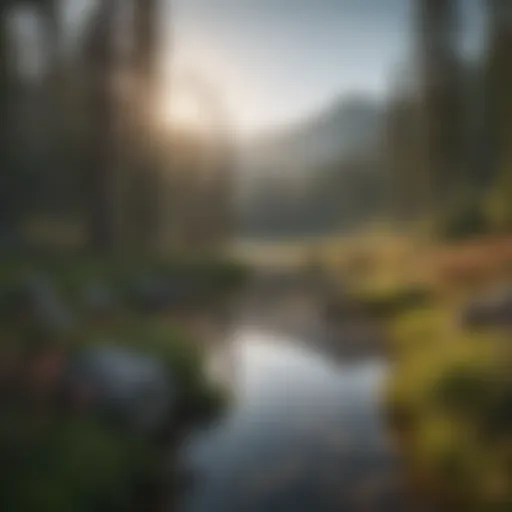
(451, 394)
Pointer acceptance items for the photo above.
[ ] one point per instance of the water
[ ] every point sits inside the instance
(305, 433)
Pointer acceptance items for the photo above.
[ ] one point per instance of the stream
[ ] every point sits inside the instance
(306, 430)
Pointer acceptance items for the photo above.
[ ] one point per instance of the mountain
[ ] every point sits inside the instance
(347, 128)
(320, 175)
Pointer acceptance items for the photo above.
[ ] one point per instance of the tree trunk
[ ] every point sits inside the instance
(101, 57)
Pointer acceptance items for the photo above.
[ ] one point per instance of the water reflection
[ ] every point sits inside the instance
(305, 434)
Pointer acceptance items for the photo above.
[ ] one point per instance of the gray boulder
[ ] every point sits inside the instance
(491, 310)
(133, 388)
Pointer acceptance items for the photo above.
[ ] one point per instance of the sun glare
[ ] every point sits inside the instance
(182, 110)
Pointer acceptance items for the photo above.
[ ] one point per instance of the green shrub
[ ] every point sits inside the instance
(498, 204)
(463, 389)
(181, 356)
(465, 221)
(69, 464)
(387, 304)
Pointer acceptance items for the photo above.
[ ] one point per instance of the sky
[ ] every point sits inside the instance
(276, 61)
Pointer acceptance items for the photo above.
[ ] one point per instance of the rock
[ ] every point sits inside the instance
(492, 310)
(133, 388)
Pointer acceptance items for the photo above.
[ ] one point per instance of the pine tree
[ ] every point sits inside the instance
(12, 186)
(145, 66)
(101, 62)
(6, 91)
(437, 25)
(499, 93)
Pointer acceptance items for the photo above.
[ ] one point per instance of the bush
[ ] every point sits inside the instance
(69, 464)
(463, 222)
(463, 389)
(183, 359)
(499, 208)
(386, 304)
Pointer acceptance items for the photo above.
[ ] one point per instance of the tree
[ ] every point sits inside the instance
(404, 158)
(499, 91)
(437, 25)
(6, 127)
(13, 188)
(148, 219)
(101, 60)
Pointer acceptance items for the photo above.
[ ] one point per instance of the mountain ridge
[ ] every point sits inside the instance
(347, 127)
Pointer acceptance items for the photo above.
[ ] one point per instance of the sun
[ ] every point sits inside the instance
(182, 110)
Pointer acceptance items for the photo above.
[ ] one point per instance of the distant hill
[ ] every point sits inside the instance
(322, 174)
(347, 128)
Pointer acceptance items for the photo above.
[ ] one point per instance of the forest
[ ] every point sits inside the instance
(385, 298)
(432, 153)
